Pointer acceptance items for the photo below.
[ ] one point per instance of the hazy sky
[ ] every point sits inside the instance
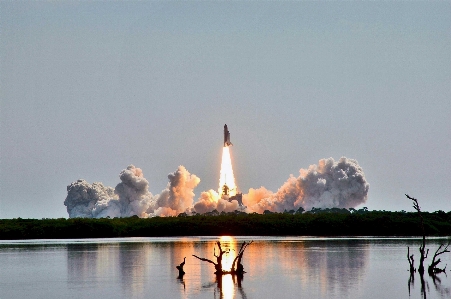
(89, 88)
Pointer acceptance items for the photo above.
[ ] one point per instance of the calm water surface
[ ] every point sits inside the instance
(277, 267)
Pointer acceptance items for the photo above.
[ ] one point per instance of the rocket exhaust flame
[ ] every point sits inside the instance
(226, 178)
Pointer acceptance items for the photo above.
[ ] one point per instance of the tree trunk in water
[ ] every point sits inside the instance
(218, 264)
(423, 253)
(411, 261)
(237, 261)
(433, 269)
(180, 268)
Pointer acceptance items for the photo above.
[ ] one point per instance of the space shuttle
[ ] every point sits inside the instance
(227, 137)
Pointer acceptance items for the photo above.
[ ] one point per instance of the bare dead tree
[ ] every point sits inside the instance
(423, 252)
(239, 268)
(411, 261)
(180, 268)
(433, 269)
(218, 264)
(237, 261)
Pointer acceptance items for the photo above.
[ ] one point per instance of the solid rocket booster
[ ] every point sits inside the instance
(226, 137)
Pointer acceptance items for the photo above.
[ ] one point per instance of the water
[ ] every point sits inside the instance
(277, 267)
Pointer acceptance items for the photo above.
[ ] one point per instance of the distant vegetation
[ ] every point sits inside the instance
(317, 222)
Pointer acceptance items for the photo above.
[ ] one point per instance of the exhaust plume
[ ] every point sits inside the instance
(329, 184)
(131, 196)
(210, 200)
(178, 195)
(83, 197)
(226, 176)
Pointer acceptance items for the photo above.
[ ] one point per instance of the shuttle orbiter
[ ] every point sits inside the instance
(226, 137)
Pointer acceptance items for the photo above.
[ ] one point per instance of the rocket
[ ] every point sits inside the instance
(226, 137)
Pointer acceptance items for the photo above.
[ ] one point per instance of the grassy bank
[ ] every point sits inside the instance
(371, 223)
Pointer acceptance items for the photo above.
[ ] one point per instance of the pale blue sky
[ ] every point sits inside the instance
(89, 88)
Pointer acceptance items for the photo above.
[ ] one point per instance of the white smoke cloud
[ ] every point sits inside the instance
(178, 195)
(133, 193)
(82, 198)
(131, 196)
(210, 200)
(329, 184)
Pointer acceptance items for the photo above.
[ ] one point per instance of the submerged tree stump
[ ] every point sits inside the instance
(239, 270)
(411, 262)
(433, 268)
(180, 268)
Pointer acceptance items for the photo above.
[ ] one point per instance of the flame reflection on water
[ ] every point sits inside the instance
(226, 284)
(227, 287)
(276, 268)
(228, 243)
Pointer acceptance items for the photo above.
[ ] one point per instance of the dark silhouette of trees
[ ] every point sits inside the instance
(327, 222)
(300, 210)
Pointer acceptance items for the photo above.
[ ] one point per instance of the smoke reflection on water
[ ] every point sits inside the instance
(323, 267)
(135, 266)
(276, 267)
(127, 261)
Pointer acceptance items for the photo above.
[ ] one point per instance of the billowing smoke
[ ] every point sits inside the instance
(210, 200)
(178, 195)
(131, 196)
(329, 184)
(82, 198)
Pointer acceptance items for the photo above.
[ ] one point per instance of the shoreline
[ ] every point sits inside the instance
(368, 224)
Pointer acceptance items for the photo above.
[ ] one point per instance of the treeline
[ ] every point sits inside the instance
(319, 222)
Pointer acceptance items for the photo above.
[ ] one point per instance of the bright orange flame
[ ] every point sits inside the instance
(226, 176)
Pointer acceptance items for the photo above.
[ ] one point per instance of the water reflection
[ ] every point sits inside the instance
(424, 287)
(82, 265)
(228, 243)
(224, 286)
(335, 261)
(124, 263)
(440, 290)
(444, 292)
(134, 261)
(330, 267)
(411, 282)
(277, 267)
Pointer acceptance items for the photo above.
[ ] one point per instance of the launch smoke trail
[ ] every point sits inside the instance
(131, 196)
(329, 184)
(210, 200)
(178, 195)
